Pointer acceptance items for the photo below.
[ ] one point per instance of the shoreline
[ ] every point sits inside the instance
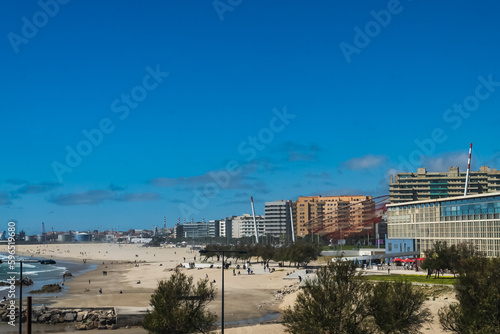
(247, 297)
(135, 271)
(41, 276)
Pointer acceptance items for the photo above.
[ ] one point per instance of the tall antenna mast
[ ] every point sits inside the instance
(468, 171)
(254, 222)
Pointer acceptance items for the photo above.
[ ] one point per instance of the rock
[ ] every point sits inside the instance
(101, 327)
(81, 327)
(70, 316)
(113, 327)
(49, 288)
(44, 317)
(26, 282)
(81, 316)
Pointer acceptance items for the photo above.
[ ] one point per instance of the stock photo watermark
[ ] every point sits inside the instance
(363, 36)
(223, 6)
(31, 26)
(248, 149)
(120, 106)
(11, 262)
(455, 116)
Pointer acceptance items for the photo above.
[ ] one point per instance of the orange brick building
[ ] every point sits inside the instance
(332, 214)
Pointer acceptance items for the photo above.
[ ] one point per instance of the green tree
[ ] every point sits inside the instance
(437, 257)
(442, 256)
(478, 294)
(156, 241)
(397, 307)
(336, 302)
(297, 253)
(265, 252)
(178, 306)
(460, 253)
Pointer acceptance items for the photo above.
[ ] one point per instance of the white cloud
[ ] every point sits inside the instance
(365, 162)
(443, 162)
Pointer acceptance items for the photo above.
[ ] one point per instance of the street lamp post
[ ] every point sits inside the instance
(204, 251)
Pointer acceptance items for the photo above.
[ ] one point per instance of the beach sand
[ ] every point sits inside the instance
(245, 296)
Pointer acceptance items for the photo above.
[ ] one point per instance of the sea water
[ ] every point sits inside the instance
(40, 274)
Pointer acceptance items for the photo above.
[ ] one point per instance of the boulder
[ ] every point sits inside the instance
(81, 316)
(44, 317)
(70, 316)
(81, 327)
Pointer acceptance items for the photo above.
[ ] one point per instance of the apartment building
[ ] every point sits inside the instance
(344, 215)
(278, 218)
(423, 185)
(243, 226)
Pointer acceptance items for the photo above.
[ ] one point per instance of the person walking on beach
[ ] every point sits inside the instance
(89, 281)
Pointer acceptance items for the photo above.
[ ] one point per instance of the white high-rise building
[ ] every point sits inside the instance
(278, 221)
(226, 227)
(243, 226)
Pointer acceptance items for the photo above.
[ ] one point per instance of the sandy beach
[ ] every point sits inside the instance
(133, 272)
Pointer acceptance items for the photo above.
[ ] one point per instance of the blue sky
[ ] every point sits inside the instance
(117, 114)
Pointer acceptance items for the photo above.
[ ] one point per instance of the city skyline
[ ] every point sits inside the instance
(118, 114)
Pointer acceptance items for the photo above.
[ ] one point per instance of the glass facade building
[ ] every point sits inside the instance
(474, 219)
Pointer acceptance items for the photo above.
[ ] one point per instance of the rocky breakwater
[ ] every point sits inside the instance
(286, 290)
(83, 318)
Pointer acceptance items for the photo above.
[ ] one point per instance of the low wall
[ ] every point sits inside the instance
(83, 318)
